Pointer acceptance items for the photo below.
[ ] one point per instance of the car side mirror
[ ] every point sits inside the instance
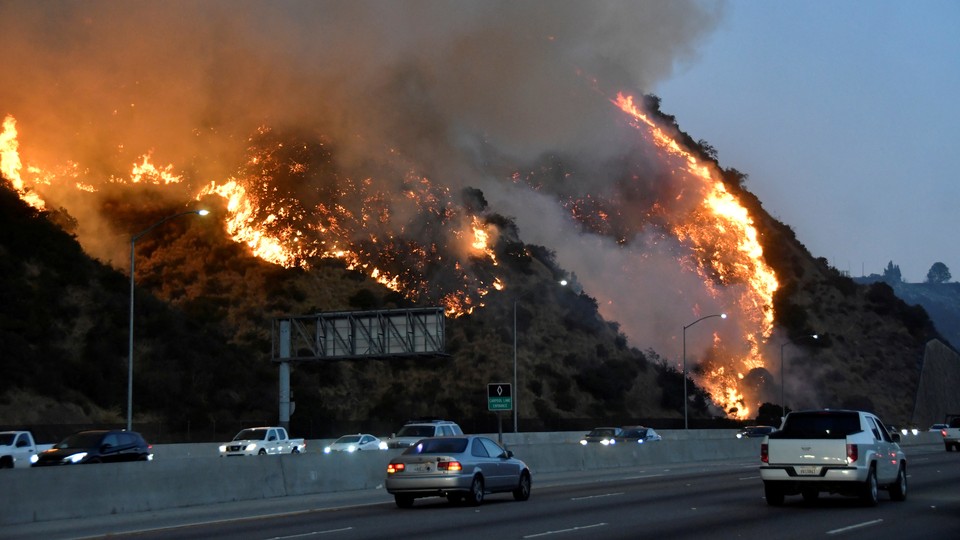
(105, 448)
(507, 454)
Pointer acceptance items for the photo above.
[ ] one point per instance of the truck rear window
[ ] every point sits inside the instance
(819, 425)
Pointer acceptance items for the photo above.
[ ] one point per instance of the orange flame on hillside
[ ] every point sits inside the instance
(10, 164)
(353, 221)
(720, 221)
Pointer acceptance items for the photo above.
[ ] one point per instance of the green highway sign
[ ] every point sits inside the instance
(499, 397)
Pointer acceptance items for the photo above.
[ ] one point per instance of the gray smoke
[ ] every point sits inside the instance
(453, 88)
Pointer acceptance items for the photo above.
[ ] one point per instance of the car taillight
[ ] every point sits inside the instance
(449, 466)
(943, 432)
(394, 468)
(852, 453)
(765, 453)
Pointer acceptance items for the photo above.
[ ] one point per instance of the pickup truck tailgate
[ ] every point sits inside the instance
(831, 452)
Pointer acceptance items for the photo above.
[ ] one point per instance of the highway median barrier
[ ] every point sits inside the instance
(194, 474)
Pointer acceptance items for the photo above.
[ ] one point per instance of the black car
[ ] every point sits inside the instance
(97, 446)
(603, 435)
(755, 431)
(638, 434)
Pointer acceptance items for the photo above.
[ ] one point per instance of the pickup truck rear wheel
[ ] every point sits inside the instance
(898, 490)
(869, 489)
(296, 450)
(773, 494)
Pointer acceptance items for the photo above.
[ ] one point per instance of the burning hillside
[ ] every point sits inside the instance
(406, 161)
(289, 203)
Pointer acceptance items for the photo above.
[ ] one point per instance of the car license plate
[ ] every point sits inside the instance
(422, 467)
(808, 470)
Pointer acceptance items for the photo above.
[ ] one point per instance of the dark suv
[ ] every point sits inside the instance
(97, 446)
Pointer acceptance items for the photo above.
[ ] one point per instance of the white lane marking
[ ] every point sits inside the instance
(595, 496)
(314, 533)
(857, 526)
(561, 531)
(750, 477)
(642, 476)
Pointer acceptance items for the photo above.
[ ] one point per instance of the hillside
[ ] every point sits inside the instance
(940, 300)
(203, 340)
(205, 303)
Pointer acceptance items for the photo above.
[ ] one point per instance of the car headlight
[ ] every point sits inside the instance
(251, 447)
(76, 458)
(223, 448)
(352, 448)
(583, 442)
(383, 445)
(326, 450)
(915, 431)
(34, 458)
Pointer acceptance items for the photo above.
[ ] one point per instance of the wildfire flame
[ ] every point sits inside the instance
(351, 220)
(10, 164)
(719, 220)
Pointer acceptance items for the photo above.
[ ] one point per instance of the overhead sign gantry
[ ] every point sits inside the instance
(345, 335)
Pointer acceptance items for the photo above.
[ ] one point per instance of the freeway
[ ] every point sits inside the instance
(714, 499)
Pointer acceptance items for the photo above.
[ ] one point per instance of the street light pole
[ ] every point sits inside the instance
(722, 316)
(133, 243)
(783, 402)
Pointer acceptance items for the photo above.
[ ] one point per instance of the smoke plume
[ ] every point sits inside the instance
(509, 97)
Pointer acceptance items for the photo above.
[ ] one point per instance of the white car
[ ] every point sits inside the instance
(355, 443)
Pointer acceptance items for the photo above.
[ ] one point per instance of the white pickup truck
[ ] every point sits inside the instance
(262, 440)
(833, 451)
(18, 449)
(951, 433)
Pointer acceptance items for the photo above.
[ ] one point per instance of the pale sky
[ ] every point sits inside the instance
(844, 115)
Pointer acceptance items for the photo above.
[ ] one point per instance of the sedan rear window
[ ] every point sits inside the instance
(446, 445)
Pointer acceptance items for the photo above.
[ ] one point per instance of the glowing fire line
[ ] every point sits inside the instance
(279, 234)
(724, 216)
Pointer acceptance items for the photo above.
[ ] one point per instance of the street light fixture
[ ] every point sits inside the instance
(783, 403)
(722, 316)
(133, 243)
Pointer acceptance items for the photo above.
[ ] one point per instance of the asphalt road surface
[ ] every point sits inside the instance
(706, 500)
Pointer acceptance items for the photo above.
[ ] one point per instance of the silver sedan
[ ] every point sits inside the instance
(461, 468)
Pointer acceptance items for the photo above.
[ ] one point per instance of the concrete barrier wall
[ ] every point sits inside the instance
(190, 475)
